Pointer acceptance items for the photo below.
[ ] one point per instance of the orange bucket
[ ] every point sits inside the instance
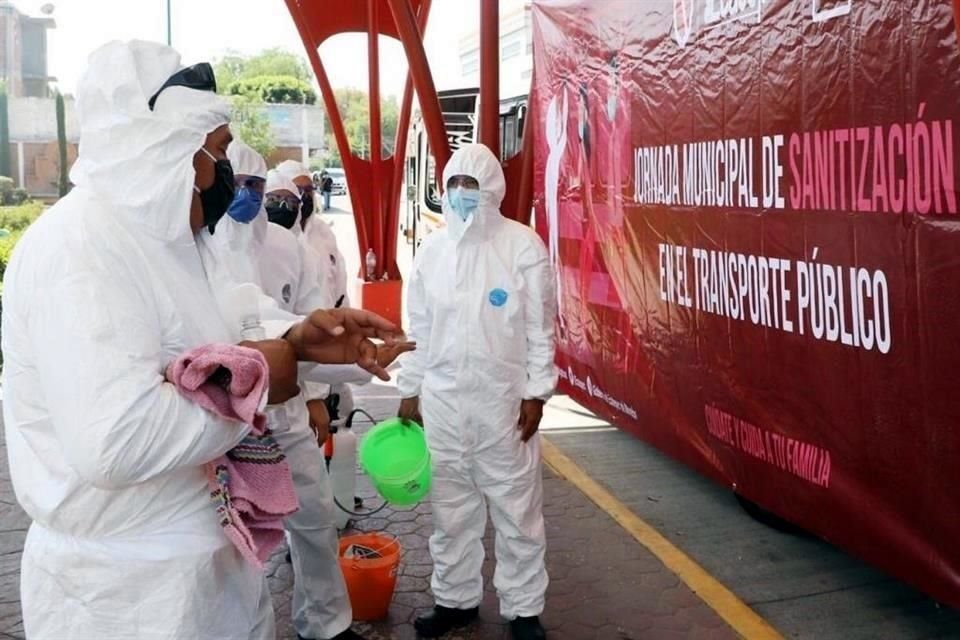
(370, 581)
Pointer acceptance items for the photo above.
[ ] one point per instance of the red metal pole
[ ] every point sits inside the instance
(376, 139)
(956, 15)
(490, 75)
(422, 80)
(336, 123)
(525, 192)
(400, 156)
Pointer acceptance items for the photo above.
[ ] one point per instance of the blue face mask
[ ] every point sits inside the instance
(464, 201)
(245, 205)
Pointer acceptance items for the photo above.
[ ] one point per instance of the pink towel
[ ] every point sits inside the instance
(251, 485)
(224, 379)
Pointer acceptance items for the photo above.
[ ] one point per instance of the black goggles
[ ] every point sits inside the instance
(290, 203)
(199, 77)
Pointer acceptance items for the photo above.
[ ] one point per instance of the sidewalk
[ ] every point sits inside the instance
(604, 585)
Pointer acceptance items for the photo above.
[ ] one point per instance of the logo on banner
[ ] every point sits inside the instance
(824, 10)
(691, 16)
(715, 13)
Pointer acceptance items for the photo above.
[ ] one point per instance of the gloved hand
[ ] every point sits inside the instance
(531, 413)
(342, 336)
(282, 363)
(410, 410)
(319, 420)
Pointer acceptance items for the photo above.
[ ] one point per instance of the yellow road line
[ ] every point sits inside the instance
(728, 606)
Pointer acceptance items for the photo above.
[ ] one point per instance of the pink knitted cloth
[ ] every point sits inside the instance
(251, 485)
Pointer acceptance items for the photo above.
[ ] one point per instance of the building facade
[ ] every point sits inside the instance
(516, 51)
(23, 52)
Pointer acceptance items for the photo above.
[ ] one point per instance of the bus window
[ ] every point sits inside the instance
(432, 196)
(509, 136)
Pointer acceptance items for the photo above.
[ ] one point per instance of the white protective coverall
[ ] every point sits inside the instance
(321, 608)
(319, 237)
(103, 291)
(482, 305)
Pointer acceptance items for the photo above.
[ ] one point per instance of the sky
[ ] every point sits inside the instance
(204, 30)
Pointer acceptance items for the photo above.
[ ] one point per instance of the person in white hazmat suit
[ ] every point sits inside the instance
(102, 293)
(482, 307)
(321, 608)
(315, 234)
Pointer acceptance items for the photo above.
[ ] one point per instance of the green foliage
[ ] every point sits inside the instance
(5, 166)
(7, 244)
(250, 124)
(63, 180)
(9, 195)
(332, 159)
(17, 197)
(18, 218)
(15, 221)
(272, 62)
(354, 108)
(274, 89)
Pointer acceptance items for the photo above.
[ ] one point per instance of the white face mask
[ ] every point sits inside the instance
(464, 201)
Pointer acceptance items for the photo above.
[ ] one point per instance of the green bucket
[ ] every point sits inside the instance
(395, 457)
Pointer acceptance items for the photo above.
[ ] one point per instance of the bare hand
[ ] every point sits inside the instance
(387, 354)
(282, 364)
(342, 336)
(531, 413)
(410, 410)
(319, 420)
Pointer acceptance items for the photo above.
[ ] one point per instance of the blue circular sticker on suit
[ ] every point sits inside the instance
(498, 297)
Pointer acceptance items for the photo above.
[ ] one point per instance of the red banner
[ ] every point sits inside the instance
(752, 208)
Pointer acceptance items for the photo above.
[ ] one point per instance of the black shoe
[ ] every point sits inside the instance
(527, 629)
(443, 619)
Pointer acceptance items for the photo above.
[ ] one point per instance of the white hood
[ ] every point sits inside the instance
(246, 162)
(478, 162)
(136, 159)
(278, 181)
(293, 169)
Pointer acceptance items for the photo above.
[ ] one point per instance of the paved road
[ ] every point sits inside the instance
(604, 586)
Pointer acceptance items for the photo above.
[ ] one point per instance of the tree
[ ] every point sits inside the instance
(272, 62)
(354, 107)
(251, 125)
(63, 181)
(275, 89)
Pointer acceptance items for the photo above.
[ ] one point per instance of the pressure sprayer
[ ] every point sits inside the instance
(340, 451)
